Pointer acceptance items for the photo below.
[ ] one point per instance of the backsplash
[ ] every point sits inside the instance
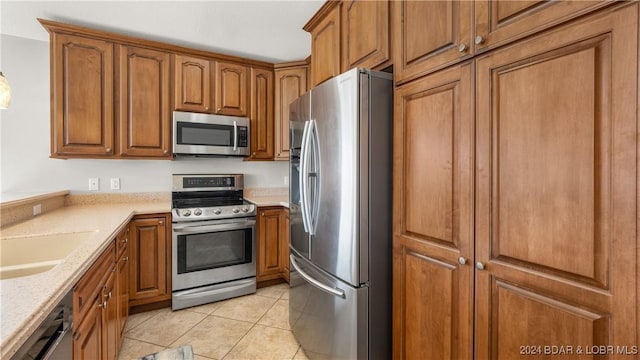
(12, 212)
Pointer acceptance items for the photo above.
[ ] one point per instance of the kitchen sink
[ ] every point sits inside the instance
(33, 254)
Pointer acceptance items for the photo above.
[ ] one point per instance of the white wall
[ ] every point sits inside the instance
(25, 165)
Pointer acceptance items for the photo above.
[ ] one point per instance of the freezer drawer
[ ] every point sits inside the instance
(330, 322)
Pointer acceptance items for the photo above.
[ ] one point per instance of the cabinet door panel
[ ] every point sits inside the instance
(284, 243)
(261, 114)
(325, 48)
(82, 113)
(290, 84)
(144, 113)
(365, 40)
(87, 340)
(231, 89)
(192, 84)
(555, 197)
(149, 259)
(270, 255)
(433, 216)
(123, 289)
(516, 312)
(502, 21)
(111, 328)
(428, 36)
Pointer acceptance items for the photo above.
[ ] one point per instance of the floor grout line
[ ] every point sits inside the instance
(213, 314)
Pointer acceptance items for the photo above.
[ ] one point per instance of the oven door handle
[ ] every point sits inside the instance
(221, 227)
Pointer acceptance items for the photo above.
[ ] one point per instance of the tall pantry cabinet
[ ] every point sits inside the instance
(515, 204)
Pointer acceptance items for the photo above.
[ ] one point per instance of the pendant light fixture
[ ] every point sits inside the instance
(5, 92)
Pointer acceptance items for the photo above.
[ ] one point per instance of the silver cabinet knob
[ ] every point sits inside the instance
(479, 265)
(217, 211)
(197, 212)
(462, 260)
(478, 40)
(462, 48)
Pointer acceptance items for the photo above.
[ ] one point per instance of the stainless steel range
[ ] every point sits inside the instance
(213, 241)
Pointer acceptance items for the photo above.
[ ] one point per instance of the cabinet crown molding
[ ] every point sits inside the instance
(58, 27)
(320, 14)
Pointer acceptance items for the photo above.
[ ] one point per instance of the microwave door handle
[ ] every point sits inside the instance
(235, 135)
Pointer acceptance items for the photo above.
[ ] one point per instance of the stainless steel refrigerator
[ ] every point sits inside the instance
(340, 216)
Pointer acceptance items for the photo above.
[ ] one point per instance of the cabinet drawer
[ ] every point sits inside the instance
(89, 286)
(122, 241)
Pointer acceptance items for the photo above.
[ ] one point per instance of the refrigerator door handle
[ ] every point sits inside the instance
(315, 201)
(304, 150)
(333, 291)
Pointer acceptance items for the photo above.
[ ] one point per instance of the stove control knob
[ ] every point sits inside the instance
(217, 211)
(186, 212)
(245, 209)
(197, 212)
(235, 210)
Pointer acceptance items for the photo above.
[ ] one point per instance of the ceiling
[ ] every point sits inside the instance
(262, 30)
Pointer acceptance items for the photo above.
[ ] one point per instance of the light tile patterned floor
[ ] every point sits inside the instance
(249, 327)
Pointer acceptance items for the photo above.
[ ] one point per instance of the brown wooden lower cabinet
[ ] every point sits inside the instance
(97, 309)
(123, 287)
(284, 245)
(110, 324)
(87, 339)
(272, 256)
(150, 259)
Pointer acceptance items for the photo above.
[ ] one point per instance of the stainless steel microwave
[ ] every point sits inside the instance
(197, 134)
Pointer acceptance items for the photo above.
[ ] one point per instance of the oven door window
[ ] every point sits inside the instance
(204, 134)
(197, 252)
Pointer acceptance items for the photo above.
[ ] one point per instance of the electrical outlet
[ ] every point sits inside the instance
(37, 209)
(94, 184)
(115, 183)
(286, 180)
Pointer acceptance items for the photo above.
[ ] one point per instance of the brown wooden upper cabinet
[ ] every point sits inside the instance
(365, 35)
(82, 120)
(325, 43)
(108, 99)
(348, 34)
(261, 114)
(231, 89)
(144, 114)
(500, 21)
(192, 84)
(290, 83)
(431, 35)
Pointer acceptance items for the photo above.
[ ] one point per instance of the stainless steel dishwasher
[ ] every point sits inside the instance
(52, 340)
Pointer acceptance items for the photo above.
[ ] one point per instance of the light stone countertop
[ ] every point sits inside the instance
(268, 196)
(26, 301)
